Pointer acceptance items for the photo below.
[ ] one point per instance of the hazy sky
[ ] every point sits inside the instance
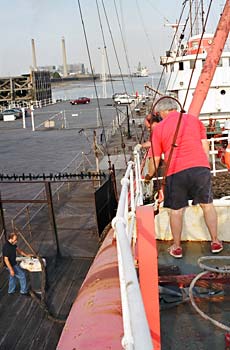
(47, 21)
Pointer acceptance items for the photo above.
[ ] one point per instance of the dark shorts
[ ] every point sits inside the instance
(190, 184)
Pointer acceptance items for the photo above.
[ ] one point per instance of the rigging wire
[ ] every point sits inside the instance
(174, 37)
(178, 48)
(112, 85)
(125, 50)
(146, 33)
(198, 49)
(95, 86)
(159, 12)
(124, 46)
(118, 63)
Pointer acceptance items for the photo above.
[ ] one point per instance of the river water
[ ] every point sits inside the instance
(72, 90)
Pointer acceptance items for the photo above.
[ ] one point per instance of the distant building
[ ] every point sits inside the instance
(72, 69)
(25, 89)
(50, 69)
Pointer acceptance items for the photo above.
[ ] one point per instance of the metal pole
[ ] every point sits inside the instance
(23, 117)
(65, 124)
(52, 215)
(32, 117)
(95, 150)
(128, 124)
(3, 226)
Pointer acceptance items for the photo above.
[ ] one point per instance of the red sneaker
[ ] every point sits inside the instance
(175, 252)
(216, 247)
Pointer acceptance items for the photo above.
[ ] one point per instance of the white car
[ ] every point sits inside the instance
(124, 99)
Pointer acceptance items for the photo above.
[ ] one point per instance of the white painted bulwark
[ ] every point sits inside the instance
(194, 228)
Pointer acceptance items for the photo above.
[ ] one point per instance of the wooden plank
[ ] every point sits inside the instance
(55, 302)
(83, 267)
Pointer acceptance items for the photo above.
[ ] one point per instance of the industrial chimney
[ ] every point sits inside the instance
(34, 65)
(65, 71)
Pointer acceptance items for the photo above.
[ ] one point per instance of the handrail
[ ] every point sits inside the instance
(136, 330)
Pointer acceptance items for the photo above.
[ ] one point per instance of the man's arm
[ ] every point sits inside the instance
(152, 169)
(21, 252)
(205, 145)
(8, 264)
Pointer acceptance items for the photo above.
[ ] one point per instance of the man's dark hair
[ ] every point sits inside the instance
(12, 234)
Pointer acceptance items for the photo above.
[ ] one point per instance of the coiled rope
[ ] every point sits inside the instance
(224, 270)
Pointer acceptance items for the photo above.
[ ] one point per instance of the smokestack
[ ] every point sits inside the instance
(65, 71)
(34, 56)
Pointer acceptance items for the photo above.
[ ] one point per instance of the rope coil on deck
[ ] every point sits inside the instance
(222, 270)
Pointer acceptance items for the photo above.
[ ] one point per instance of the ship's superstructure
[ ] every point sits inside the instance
(178, 69)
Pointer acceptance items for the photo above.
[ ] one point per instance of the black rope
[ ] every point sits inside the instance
(173, 40)
(124, 45)
(127, 61)
(94, 82)
(112, 85)
(117, 59)
(146, 33)
(202, 34)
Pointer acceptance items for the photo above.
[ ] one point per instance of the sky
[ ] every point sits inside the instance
(143, 22)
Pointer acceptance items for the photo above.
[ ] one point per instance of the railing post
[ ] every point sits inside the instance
(2, 217)
(52, 215)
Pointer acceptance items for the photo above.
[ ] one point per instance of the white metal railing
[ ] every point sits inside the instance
(213, 152)
(136, 330)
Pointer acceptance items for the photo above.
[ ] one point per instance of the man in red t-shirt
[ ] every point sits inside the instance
(188, 175)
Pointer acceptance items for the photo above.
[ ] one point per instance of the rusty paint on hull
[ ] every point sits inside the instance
(95, 320)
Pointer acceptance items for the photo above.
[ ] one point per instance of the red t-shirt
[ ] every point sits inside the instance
(190, 152)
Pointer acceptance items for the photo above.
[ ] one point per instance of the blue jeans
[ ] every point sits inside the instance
(21, 276)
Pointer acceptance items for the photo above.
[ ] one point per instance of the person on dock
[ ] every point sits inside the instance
(9, 252)
(188, 170)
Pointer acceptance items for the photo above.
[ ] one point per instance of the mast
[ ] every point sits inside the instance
(211, 62)
(196, 16)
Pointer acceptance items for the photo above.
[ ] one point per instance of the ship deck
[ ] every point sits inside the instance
(182, 327)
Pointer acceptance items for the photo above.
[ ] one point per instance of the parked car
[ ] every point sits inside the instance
(80, 100)
(117, 94)
(17, 112)
(124, 99)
